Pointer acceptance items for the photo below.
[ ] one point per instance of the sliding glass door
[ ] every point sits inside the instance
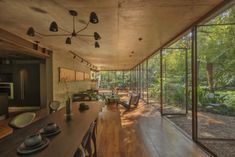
(174, 81)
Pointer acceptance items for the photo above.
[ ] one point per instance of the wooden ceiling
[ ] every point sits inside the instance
(122, 23)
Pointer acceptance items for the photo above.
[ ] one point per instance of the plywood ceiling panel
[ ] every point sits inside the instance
(122, 22)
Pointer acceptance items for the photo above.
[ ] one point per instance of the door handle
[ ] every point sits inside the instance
(22, 84)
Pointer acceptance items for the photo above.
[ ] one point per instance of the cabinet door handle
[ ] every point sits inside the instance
(22, 84)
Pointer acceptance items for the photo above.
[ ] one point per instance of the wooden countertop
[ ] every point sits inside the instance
(61, 145)
(5, 130)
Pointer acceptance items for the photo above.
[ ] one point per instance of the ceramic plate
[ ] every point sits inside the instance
(22, 149)
(48, 134)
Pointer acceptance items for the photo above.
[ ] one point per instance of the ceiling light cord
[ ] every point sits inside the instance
(73, 24)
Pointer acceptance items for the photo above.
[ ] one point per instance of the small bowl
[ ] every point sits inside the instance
(33, 140)
(51, 127)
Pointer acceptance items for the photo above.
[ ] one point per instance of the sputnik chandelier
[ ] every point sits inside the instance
(55, 28)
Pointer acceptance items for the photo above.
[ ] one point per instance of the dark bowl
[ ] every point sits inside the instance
(33, 140)
(82, 104)
(83, 107)
(51, 127)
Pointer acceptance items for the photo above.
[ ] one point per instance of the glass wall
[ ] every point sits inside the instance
(138, 79)
(193, 80)
(104, 77)
(143, 80)
(174, 77)
(114, 79)
(216, 84)
(175, 62)
(154, 79)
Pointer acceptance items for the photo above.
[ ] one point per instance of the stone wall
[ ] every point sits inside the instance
(65, 60)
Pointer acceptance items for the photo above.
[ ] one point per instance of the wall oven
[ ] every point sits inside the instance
(7, 87)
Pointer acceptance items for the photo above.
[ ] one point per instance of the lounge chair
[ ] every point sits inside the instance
(134, 101)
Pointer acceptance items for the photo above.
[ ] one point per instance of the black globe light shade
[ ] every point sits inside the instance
(97, 45)
(31, 32)
(53, 27)
(93, 18)
(68, 40)
(97, 36)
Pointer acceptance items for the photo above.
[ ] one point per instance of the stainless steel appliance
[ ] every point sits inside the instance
(7, 87)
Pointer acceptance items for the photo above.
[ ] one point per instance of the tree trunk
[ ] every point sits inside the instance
(209, 72)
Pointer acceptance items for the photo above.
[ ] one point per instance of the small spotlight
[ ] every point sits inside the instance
(97, 45)
(31, 32)
(68, 40)
(53, 27)
(96, 36)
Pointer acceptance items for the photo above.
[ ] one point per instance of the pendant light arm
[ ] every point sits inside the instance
(51, 35)
(83, 28)
(71, 37)
(64, 30)
(84, 35)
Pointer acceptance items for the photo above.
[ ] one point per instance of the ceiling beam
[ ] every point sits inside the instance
(26, 47)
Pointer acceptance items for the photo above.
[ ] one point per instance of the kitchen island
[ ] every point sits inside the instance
(61, 145)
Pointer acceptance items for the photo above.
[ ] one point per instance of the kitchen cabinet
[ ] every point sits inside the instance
(26, 82)
(27, 85)
(3, 106)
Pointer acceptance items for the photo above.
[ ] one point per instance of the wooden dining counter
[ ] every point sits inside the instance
(61, 145)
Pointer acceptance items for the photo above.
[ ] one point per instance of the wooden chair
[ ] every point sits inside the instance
(54, 106)
(89, 141)
(79, 153)
(134, 101)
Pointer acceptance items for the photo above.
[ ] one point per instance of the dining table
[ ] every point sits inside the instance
(62, 145)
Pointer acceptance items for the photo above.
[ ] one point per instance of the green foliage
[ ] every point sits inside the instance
(228, 98)
(216, 46)
(175, 94)
(154, 92)
(154, 77)
(225, 99)
(203, 99)
(112, 79)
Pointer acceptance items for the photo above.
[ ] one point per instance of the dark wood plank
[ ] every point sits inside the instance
(62, 145)
(141, 132)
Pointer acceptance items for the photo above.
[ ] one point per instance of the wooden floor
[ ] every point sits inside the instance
(141, 133)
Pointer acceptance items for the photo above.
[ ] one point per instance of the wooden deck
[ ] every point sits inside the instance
(141, 132)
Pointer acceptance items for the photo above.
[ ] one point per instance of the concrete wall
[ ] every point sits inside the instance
(65, 60)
